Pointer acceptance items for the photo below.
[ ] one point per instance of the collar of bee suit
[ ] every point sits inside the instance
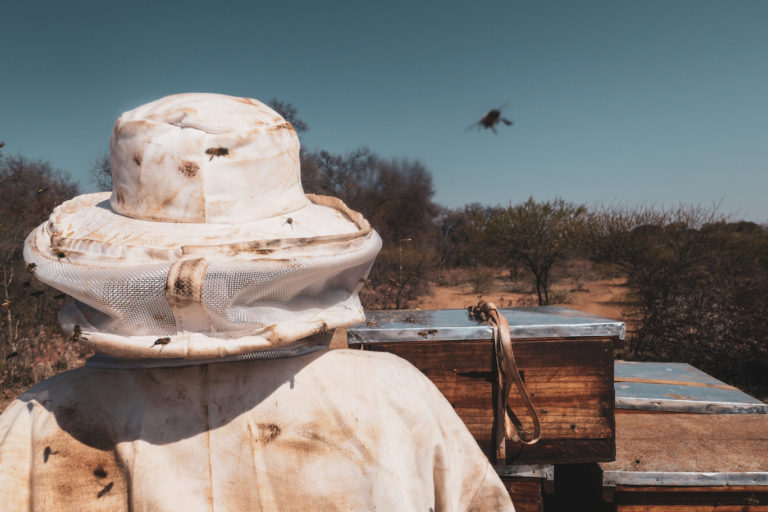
(207, 239)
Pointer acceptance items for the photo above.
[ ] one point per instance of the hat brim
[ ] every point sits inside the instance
(204, 290)
(86, 230)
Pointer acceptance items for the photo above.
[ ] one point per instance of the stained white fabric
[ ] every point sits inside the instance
(205, 158)
(332, 430)
(207, 239)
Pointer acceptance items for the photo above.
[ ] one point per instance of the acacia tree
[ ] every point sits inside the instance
(396, 198)
(537, 235)
(462, 237)
(100, 173)
(289, 113)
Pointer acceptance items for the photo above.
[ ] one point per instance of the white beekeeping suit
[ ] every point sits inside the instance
(209, 283)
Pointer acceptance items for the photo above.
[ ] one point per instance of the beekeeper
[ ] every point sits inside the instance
(210, 285)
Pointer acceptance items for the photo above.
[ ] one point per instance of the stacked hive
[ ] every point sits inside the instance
(685, 441)
(565, 359)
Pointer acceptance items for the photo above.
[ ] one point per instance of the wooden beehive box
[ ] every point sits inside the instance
(526, 485)
(685, 441)
(565, 358)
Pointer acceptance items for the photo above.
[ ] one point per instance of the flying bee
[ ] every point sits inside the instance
(77, 334)
(491, 119)
(365, 281)
(162, 342)
(324, 328)
(371, 323)
(410, 319)
(41, 190)
(289, 221)
(6, 303)
(30, 267)
(11, 355)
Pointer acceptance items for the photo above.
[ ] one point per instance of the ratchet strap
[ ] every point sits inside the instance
(508, 426)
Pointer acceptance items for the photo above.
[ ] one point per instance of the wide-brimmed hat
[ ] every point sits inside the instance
(207, 247)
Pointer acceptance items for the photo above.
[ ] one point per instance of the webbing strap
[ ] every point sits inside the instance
(508, 426)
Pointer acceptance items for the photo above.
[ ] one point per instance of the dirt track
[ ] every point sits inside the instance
(606, 298)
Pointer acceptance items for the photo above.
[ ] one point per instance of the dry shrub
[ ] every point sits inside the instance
(400, 276)
(559, 297)
(481, 279)
(699, 286)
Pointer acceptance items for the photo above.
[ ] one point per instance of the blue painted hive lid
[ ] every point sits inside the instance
(678, 387)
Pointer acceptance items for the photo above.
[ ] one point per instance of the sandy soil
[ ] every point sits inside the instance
(606, 298)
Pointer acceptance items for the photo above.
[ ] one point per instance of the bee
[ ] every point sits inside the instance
(31, 267)
(77, 334)
(289, 221)
(426, 332)
(324, 328)
(410, 319)
(60, 255)
(105, 490)
(162, 342)
(491, 119)
(41, 190)
(371, 323)
(11, 355)
(216, 152)
(6, 303)
(48, 452)
(99, 472)
(365, 281)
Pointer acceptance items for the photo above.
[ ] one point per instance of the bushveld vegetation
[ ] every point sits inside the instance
(32, 346)
(697, 282)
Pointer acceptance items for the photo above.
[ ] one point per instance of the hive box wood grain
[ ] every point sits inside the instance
(565, 358)
(685, 441)
(526, 484)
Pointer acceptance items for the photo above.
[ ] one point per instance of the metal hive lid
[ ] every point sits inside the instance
(455, 325)
(678, 387)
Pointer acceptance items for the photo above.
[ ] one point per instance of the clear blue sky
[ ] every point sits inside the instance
(657, 101)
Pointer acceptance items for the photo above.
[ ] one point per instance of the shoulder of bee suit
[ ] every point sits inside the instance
(56, 452)
(391, 438)
(463, 477)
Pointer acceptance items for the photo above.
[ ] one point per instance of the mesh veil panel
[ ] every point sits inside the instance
(237, 294)
(132, 297)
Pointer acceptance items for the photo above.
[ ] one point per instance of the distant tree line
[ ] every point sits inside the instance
(697, 282)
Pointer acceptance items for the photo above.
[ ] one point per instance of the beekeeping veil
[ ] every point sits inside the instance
(207, 247)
